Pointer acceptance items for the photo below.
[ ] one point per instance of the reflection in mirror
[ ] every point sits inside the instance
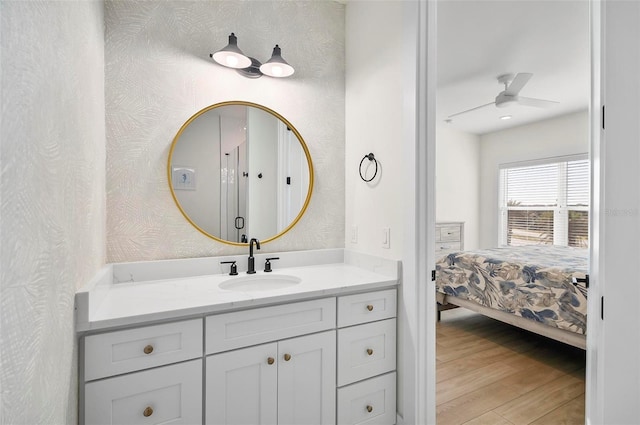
(238, 170)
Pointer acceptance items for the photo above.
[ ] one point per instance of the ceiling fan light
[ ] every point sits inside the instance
(277, 66)
(231, 56)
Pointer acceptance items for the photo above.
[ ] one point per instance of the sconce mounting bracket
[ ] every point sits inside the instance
(252, 71)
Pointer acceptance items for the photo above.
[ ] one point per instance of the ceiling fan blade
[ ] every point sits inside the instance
(537, 103)
(469, 110)
(518, 83)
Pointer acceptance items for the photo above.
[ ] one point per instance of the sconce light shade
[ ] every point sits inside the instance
(276, 66)
(231, 56)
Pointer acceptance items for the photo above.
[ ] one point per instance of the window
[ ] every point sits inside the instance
(545, 203)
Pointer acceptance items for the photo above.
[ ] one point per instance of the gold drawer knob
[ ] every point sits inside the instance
(369, 408)
(370, 307)
(369, 351)
(147, 412)
(270, 360)
(148, 349)
(287, 357)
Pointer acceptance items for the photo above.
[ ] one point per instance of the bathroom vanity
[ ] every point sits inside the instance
(182, 342)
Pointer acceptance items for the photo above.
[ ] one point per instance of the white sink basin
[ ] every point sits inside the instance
(262, 282)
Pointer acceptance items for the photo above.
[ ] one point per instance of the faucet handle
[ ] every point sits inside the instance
(267, 264)
(233, 269)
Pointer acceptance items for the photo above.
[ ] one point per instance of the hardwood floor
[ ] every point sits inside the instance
(491, 373)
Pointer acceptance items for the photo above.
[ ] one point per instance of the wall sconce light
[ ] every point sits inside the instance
(232, 57)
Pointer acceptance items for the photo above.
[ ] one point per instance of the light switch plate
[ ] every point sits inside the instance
(354, 234)
(386, 237)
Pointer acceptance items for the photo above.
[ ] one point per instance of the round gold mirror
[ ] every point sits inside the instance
(238, 170)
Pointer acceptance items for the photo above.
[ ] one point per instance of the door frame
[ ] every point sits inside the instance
(421, 256)
(593, 400)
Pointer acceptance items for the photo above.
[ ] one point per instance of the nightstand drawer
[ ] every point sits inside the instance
(368, 402)
(447, 246)
(366, 350)
(168, 394)
(363, 308)
(250, 327)
(449, 233)
(118, 352)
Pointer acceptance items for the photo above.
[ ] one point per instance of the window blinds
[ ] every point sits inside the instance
(545, 204)
(532, 186)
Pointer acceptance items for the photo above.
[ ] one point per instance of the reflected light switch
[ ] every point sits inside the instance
(183, 178)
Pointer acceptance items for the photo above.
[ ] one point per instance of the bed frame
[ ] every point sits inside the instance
(567, 337)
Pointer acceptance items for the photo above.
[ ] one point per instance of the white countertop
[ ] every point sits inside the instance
(105, 304)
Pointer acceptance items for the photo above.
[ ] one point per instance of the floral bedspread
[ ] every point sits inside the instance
(534, 282)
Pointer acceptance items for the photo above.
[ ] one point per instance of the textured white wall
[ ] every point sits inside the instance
(158, 73)
(52, 193)
(565, 135)
(458, 181)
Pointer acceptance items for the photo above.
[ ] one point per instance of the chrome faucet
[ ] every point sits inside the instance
(251, 269)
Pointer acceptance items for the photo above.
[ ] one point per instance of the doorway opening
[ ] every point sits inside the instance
(512, 148)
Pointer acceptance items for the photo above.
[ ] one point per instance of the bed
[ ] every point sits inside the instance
(540, 288)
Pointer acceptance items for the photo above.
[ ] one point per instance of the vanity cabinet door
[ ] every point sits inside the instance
(291, 382)
(242, 386)
(307, 380)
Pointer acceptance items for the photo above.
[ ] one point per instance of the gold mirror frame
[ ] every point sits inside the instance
(275, 114)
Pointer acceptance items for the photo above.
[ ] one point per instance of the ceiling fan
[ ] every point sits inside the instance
(509, 96)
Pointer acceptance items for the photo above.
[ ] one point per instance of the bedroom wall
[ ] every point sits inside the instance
(159, 73)
(52, 193)
(457, 183)
(565, 135)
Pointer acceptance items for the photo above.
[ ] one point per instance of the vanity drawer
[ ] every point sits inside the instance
(165, 395)
(366, 350)
(250, 327)
(368, 402)
(449, 234)
(128, 350)
(362, 308)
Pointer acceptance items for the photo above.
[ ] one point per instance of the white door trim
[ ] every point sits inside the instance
(422, 156)
(593, 399)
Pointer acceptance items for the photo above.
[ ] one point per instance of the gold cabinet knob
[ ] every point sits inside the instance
(147, 412)
(287, 357)
(148, 349)
(369, 351)
(270, 360)
(370, 307)
(369, 408)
